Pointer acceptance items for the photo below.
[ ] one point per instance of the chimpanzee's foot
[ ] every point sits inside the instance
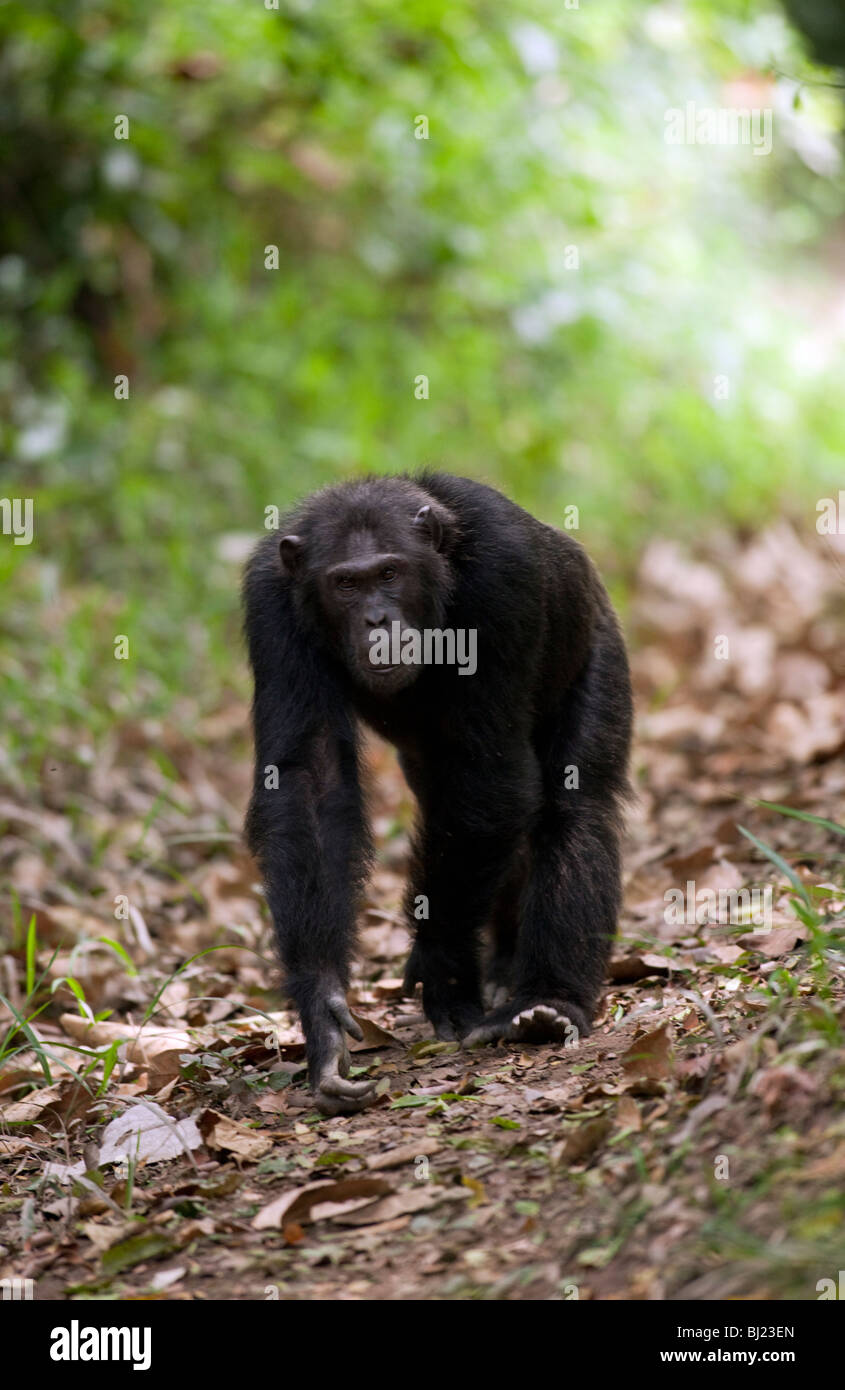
(452, 1019)
(546, 1021)
(328, 1064)
(451, 999)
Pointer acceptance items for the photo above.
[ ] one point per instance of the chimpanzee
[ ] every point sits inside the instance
(519, 767)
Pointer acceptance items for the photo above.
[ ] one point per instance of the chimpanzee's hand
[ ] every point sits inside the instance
(328, 1057)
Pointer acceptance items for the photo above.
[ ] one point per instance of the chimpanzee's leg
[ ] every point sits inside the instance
(463, 855)
(571, 902)
(503, 931)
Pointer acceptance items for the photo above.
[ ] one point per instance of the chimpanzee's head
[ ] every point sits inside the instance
(365, 556)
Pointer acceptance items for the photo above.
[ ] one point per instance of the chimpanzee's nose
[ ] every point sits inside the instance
(375, 617)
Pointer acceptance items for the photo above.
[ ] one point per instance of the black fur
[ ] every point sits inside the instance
(501, 842)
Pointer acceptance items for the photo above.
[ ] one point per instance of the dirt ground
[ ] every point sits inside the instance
(692, 1147)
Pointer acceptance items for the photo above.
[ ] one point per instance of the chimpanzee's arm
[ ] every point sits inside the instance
(306, 823)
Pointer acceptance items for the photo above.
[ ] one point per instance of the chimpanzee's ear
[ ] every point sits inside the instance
(434, 523)
(290, 549)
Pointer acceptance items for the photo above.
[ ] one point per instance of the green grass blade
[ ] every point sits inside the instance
(801, 815)
(122, 952)
(35, 1043)
(31, 943)
(779, 863)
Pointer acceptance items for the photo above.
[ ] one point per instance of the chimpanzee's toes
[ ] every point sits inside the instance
(544, 1022)
(495, 994)
(451, 1016)
(459, 1021)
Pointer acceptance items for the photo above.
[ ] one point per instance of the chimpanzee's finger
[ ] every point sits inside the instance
(341, 1014)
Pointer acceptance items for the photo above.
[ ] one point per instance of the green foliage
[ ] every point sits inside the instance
(398, 257)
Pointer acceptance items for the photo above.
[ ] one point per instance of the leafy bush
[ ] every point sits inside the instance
(570, 285)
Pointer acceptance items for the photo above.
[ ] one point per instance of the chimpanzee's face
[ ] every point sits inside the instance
(365, 592)
(364, 580)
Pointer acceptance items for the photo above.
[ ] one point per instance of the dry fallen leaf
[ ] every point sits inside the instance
(583, 1140)
(628, 969)
(684, 866)
(104, 1234)
(147, 1132)
(774, 943)
(648, 1057)
(51, 1105)
(296, 1206)
(8, 1147)
(389, 988)
(219, 1132)
(405, 1203)
(271, 1103)
(374, 1036)
(404, 1153)
(628, 1113)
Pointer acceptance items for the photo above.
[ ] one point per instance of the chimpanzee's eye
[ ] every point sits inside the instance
(388, 573)
(345, 582)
